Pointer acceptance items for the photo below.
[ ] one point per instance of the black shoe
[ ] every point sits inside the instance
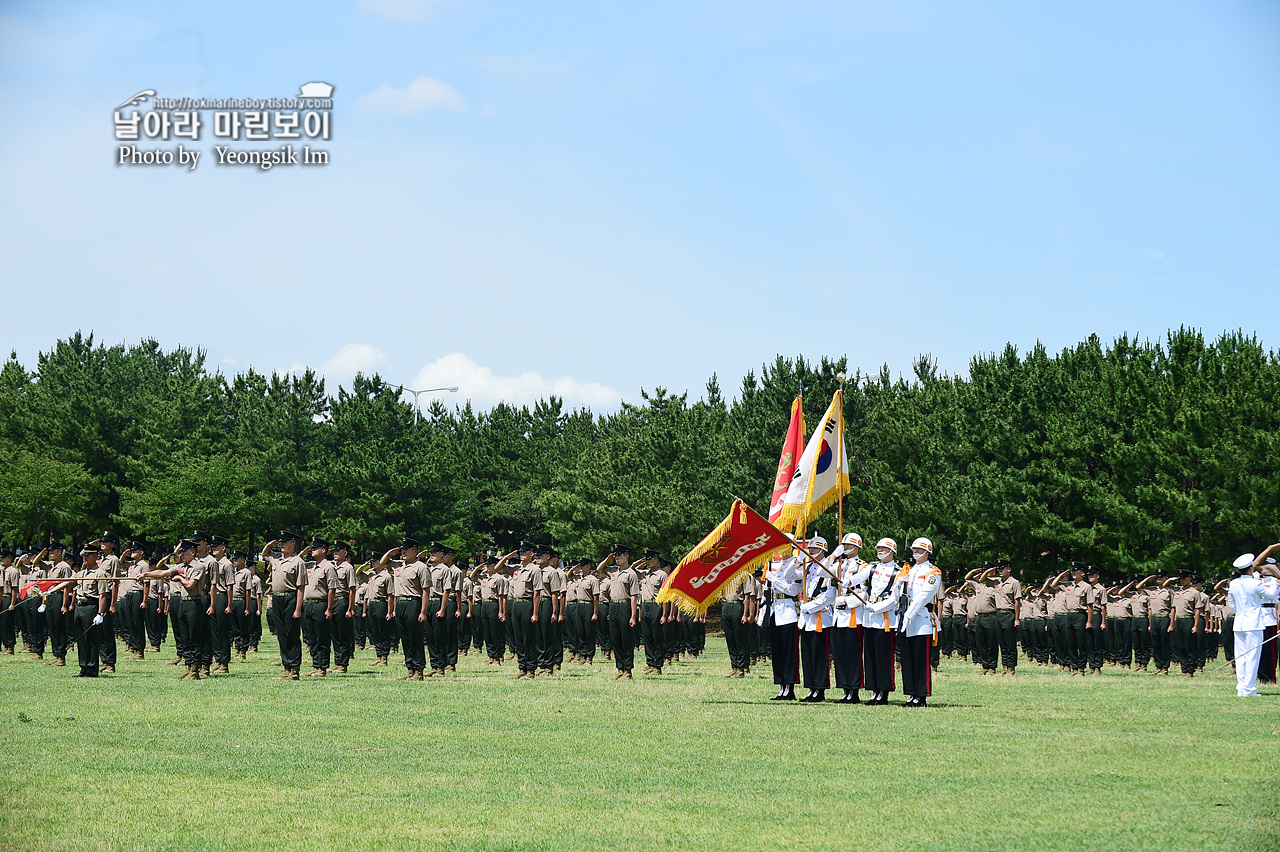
(819, 696)
(810, 698)
(789, 695)
(781, 696)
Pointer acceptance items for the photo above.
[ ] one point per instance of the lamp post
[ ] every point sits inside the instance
(416, 410)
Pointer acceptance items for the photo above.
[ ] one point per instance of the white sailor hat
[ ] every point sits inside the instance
(922, 543)
(852, 538)
(817, 541)
(887, 542)
(1243, 561)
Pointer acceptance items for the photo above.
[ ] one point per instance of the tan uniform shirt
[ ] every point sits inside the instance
(1185, 602)
(983, 602)
(1008, 591)
(288, 575)
(651, 585)
(524, 580)
(346, 579)
(411, 579)
(223, 576)
(241, 584)
(1160, 602)
(1138, 604)
(554, 581)
(197, 571)
(605, 592)
(380, 586)
(321, 580)
(445, 580)
(1076, 597)
(623, 585)
(494, 586)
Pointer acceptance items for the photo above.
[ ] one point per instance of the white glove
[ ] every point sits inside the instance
(41, 607)
(98, 619)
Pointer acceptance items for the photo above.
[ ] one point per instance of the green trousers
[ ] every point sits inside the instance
(1006, 639)
(735, 635)
(1186, 645)
(622, 635)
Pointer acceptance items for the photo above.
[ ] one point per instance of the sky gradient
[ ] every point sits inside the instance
(589, 199)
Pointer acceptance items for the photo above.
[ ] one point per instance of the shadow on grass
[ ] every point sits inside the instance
(762, 701)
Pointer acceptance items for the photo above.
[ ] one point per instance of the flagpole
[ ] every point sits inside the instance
(840, 462)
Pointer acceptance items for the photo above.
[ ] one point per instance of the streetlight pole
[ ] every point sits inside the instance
(416, 410)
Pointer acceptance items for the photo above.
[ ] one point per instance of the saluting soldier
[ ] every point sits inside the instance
(1076, 603)
(1187, 619)
(1008, 595)
(1160, 607)
(222, 583)
(131, 601)
(585, 610)
(203, 629)
(380, 611)
(548, 610)
(109, 562)
(59, 613)
(603, 637)
(342, 625)
(1096, 626)
(525, 599)
(1140, 624)
(412, 589)
(982, 619)
(653, 615)
(288, 581)
(245, 603)
(494, 588)
(624, 609)
(317, 608)
(443, 604)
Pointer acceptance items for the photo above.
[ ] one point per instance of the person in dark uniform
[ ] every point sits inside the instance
(624, 609)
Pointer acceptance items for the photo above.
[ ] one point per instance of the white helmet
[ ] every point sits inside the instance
(922, 543)
(887, 542)
(853, 539)
(817, 541)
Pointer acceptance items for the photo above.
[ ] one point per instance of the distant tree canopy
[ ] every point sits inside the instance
(1132, 456)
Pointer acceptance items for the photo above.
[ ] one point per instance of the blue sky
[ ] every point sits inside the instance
(591, 198)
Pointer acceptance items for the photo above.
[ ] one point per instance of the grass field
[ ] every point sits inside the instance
(688, 760)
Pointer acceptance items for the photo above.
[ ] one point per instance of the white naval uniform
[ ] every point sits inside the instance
(923, 582)
(1246, 595)
(844, 605)
(881, 594)
(786, 579)
(819, 594)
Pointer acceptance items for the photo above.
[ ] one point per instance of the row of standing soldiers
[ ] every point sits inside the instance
(1078, 624)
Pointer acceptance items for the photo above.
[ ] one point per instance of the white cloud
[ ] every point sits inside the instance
(1155, 255)
(422, 95)
(404, 11)
(351, 359)
(479, 385)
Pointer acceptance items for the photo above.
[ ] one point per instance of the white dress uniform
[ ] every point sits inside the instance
(846, 635)
(1247, 595)
(921, 584)
(816, 627)
(785, 580)
(875, 583)
(1267, 663)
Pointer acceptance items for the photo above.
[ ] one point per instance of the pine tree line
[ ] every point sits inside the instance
(1132, 456)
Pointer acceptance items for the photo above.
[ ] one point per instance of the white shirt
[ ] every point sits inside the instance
(785, 581)
(820, 592)
(1246, 595)
(922, 582)
(875, 583)
(1272, 587)
(845, 604)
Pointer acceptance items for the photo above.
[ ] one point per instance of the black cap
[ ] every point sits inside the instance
(436, 547)
(1077, 566)
(239, 553)
(541, 549)
(524, 546)
(215, 540)
(109, 536)
(286, 535)
(199, 536)
(491, 560)
(1196, 579)
(410, 542)
(1092, 570)
(1004, 563)
(56, 545)
(186, 544)
(319, 542)
(90, 549)
(339, 544)
(6, 551)
(1161, 573)
(650, 553)
(137, 545)
(584, 560)
(620, 548)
